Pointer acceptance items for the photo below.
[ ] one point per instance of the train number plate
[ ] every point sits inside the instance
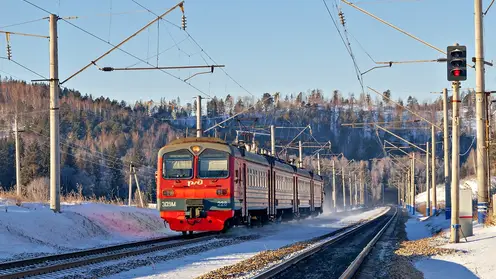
(222, 203)
(169, 204)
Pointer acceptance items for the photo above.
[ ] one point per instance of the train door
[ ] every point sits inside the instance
(274, 190)
(244, 210)
(312, 195)
(270, 184)
(296, 203)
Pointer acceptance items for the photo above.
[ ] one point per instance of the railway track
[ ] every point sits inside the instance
(58, 262)
(339, 256)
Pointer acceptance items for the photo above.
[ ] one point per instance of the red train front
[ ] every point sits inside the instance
(194, 184)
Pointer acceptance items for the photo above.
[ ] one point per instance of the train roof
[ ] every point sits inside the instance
(254, 157)
(239, 151)
(215, 143)
(304, 172)
(199, 140)
(317, 177)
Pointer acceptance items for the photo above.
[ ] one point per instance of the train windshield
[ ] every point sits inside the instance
(213, 164)
(178, 164)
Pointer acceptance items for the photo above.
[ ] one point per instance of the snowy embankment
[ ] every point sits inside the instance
(33, 229)
(278, 235)
(474, 257)
(468, 183)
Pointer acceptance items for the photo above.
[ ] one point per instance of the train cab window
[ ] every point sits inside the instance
(178, 164)
(213, 164)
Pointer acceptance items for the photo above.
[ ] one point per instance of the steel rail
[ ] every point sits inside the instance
(74, 259)
(355, 265)
(343, 234)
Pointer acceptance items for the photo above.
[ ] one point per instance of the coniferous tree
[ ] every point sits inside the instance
(7, 163)
(116, 176)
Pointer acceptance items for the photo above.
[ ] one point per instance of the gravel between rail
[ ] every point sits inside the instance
(334, 259)
(269, 258)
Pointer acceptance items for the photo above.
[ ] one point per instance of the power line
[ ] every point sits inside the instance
(161, 52)
(348, 47)
(24, 22)
(105, 15)
(36, 6)
(361, 46)
(11, 75)
(158, 28)
(128, 53)
(201, 49)
(24, 67)
(489, 7)
(134, 56)
(384, 1)
(135, 116)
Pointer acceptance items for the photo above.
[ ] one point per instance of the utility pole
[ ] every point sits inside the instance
(407, 188)
(433, 170)
(428, 202)
(403, 188)
(138, 187)
(351, 191)
(482, 183)
(333, 185)
(447, 169)
(362, 190)
(130, 196)
(318, 163)
(198, 117)
(344, 188)
(54, 118)
(455, 164)
(18, 157)
(273, 142)
(413, 185)
(356, 190)
(300, 157)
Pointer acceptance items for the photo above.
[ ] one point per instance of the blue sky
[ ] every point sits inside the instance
(267, 46)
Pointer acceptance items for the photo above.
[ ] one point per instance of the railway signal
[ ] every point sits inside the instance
(457, 63)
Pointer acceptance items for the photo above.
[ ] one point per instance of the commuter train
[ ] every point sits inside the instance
(206, 184)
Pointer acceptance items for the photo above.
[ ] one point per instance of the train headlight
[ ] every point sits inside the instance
(168, 193)
(221, 192)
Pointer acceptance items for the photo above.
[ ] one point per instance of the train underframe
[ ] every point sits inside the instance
(261, 217)
(223, 220)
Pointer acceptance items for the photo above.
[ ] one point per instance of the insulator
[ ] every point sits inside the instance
(341, 18)
(184, 22)
(9, 52)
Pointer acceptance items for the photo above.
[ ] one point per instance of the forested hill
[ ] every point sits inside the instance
(100, 137)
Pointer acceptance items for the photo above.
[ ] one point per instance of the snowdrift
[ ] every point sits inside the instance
(33, 229)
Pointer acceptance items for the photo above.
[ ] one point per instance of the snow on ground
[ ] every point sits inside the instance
(467, 183)
(278, 235)
(33, 228)
(476, 262)
(418, 227)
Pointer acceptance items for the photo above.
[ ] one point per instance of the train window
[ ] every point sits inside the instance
(213, 164)
(178, 164)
